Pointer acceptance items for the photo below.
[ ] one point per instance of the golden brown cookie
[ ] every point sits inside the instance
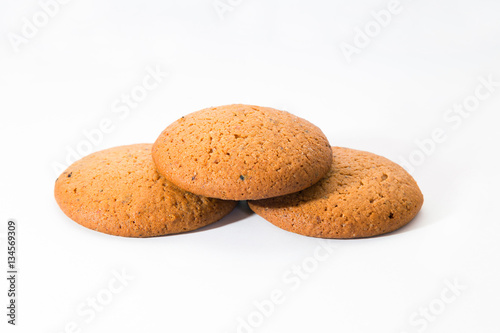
(242, 152)
(363, 195)
(119, 192)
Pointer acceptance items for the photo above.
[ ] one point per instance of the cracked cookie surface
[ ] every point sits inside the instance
(118, 191)
(362, 195)
(242, 152)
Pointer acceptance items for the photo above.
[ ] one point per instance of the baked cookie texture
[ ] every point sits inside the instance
(118, 191)
(363, 195)
(242, 152)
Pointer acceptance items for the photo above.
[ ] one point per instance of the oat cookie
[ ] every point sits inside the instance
(363, 195)
(242, 152)
(119, 192)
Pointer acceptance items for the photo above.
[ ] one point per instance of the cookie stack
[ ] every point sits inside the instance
(204, 163)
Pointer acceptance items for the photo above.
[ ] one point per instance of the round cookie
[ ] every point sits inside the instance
(242, 152)
(363, 195)
(119, 192)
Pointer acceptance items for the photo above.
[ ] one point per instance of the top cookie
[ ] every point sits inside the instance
(119, 192)
(242, 152)
(363, 195)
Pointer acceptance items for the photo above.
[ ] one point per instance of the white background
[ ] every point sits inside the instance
(285, 54)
